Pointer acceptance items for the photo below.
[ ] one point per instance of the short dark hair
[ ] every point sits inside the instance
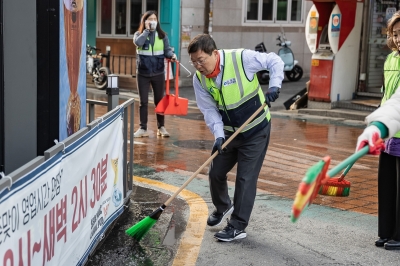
(203, 42)
(391, 22)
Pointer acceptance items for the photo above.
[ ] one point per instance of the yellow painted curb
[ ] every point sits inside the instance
(190, 243)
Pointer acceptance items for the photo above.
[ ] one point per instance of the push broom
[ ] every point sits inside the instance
(337, 186)
(139, 230)
(318, 175)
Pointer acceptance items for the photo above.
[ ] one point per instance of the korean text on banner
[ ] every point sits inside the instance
(55, 214)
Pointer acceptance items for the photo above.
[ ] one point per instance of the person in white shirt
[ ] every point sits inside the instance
(228, 93)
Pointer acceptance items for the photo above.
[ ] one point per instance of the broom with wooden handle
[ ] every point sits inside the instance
(139, 230)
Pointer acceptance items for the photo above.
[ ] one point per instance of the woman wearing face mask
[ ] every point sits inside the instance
(152, 47)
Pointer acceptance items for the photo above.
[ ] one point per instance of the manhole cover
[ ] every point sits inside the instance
(195, 144)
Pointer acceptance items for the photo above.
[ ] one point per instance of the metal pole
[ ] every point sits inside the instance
(125, 154)
(113, 99)
(131, 148)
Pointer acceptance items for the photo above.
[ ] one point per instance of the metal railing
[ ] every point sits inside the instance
(128, 106)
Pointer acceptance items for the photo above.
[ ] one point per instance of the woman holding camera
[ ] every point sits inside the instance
(152, 48)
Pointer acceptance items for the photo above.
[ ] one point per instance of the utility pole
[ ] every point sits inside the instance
(206, 16)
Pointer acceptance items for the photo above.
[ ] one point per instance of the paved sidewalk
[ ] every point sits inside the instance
(333, 231)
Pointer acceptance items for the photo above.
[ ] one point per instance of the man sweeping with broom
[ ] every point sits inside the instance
(228, 93)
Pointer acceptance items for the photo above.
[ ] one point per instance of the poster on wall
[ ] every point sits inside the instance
(72, 67)
(389, 13)
(313, 28)
(186, 35)
(335, 27)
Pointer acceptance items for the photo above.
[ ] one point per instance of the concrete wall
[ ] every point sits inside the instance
(229, 32)
(20, 82)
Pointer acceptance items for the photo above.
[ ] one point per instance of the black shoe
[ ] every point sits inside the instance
(381, 242)
(216, 218)
(392, 244)
(230, 233)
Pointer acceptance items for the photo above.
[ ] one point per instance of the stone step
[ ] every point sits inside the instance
(347, 114)
(368, 105)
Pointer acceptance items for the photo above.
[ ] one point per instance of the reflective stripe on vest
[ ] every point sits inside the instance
(391, 71)
(235, 87)
(156, 49)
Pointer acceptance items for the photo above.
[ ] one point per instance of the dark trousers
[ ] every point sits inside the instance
(389, 197)
(158, 85)
(249, 155)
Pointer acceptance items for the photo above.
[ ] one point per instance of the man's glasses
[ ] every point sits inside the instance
(198, 62)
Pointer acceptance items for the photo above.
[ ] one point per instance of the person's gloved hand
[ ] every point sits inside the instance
(218, 146)
(370, 135)
(271, 95)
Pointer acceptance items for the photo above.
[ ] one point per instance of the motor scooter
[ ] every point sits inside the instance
(292, 70)
(94, 67)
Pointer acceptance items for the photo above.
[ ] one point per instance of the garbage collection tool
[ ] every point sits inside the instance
(172, 104)
(141, 228)
(337, 186)
(190, 73)
(318, 175)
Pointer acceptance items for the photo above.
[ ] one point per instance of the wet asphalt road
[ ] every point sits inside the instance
(333, 231)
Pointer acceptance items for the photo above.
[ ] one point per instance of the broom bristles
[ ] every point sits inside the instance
(141, 228)
(333, 187)
(304, 192)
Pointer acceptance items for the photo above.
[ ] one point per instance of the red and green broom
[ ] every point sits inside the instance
(318, 175)
(139, 230)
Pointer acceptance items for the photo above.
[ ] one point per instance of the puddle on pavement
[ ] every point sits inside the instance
(194, 116)
(158, 247)
(194, 144)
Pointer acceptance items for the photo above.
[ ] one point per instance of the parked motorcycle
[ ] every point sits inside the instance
(94, 67)
(292, 70)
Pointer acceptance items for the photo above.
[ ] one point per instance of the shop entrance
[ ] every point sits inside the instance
(380, 12)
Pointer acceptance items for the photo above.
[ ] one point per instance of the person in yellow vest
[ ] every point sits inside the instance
(227, 93)
(385, 123)
(152, 48)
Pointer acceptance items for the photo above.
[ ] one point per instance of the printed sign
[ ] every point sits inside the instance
(335, 27)
(186, 35)
(55, 214)
(389, 12)
(313, 28)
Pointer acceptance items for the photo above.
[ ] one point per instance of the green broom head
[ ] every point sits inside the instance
(309, 187)
(139, 230)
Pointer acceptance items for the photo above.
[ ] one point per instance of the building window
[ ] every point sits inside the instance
(273, 11)
(114, 15)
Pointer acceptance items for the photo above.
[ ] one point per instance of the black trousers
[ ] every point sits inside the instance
(158, 85)
(249, 155)
(389, 197)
